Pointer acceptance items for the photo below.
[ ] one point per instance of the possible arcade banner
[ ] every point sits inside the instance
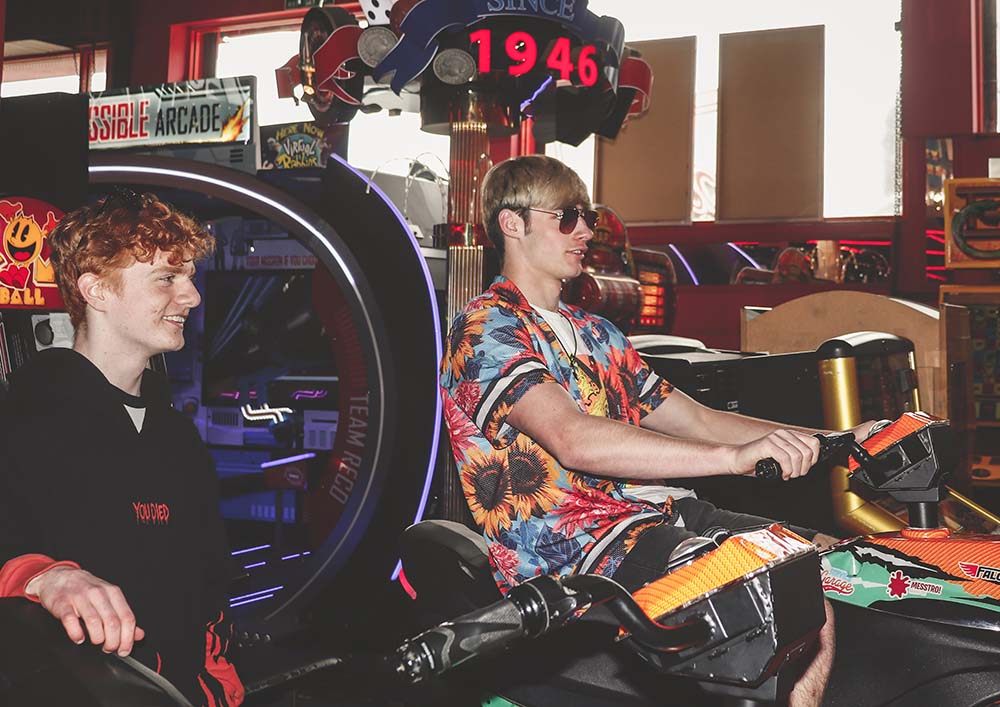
(27, 278)
(187, 112)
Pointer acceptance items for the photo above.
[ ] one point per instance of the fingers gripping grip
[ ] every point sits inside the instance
(443, 647)
(829, 445)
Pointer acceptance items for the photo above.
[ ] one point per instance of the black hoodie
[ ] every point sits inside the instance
(139, 510)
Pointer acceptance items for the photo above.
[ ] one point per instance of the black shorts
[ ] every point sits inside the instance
(648, 558)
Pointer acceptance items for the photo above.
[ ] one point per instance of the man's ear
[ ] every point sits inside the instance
(511, 223)
(94, 290)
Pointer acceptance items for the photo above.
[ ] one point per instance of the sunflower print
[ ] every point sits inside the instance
(533, 477)
(486, 485)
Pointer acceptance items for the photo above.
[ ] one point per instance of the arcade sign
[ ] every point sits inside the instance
(27, 278)
(428, 22)
(187, 112)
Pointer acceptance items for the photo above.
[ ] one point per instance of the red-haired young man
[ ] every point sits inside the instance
(108, 502)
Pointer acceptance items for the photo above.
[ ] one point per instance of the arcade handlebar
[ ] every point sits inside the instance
(531, 609)
(830, 446)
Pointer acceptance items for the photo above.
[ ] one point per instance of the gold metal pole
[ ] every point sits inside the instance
(838, 380)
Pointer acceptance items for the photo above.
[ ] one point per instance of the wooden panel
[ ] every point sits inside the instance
(645, 173)
(771, 125)
(805, 323)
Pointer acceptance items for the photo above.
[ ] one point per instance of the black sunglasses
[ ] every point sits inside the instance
(569, 215)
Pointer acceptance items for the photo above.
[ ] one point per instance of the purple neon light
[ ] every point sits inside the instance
(309, 394)
(746, 255)
(292, 557)
(255, 564)
(287, 460)
(684, 262)
(249, 549)
(437, 343)
(538, 91)
(253, 594)
(250, 601)
(235, 394)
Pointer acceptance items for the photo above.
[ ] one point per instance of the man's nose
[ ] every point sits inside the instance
(189, 296)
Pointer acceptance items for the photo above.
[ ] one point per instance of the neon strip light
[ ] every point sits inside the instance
(545, 84)
(250, 601)
(275, 415)
(936, 277)
(249, 549)
(871, 243)
(438, 336)
(934, 267)
(287, 460)
(292, 557)
(255, 564)
(309, 394)
(407, 587)
(934, 252)
(253, 594)
(932, 232)
(742, 252)
(684, 262)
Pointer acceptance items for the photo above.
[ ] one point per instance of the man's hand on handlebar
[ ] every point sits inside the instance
(864, 430)
(72, 594)
(792, 455)
(795, 451)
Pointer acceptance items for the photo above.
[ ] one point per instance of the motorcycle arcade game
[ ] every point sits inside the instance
(917, 610)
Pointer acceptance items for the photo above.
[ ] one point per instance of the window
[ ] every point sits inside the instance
(862, 82)
(25, 74)
(376, 140)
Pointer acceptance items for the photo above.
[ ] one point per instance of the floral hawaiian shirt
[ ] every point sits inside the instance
(537, 516)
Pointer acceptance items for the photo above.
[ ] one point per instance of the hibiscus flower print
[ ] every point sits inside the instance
(505, 561)
(467, 396)
(461, 431)
(533, 475)
(586, 507)
(486, 485)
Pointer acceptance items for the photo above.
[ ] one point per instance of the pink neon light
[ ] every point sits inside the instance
(405, 583)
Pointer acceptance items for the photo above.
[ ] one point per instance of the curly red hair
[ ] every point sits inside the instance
(112, 233)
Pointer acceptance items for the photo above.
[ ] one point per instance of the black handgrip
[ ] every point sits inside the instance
(443, 647)
(829, 445)
(767, 469)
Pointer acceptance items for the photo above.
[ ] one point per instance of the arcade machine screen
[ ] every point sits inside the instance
(270, 389)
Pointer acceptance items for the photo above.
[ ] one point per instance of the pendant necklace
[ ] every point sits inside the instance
(572, 329)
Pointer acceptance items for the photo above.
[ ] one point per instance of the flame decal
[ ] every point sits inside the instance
(9, 211)
(233, 127)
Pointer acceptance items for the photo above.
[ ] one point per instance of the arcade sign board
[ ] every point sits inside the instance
(27, 278)
(972, 223)
(183, 113)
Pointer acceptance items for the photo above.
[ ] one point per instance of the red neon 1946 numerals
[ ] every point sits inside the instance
(522, 49)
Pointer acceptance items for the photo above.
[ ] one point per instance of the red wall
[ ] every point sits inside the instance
(152, 59)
